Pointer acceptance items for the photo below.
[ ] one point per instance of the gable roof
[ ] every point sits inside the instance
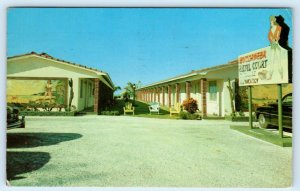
(79, 66)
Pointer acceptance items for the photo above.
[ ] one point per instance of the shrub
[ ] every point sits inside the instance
(115, 112)
(47, 106)
(105, 112)
(190, 105)
(110, 113)
(241, 113)
(193, 116)
(187, 115)
(33, 106)
(183, 115)
(61, 106)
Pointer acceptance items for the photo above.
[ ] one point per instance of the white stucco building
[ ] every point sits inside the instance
(208, 86)
(28, 75)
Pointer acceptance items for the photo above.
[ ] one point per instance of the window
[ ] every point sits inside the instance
(212, 90)
(196, 88)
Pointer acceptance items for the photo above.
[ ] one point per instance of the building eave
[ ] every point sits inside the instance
(108, 81)
(44, 56)
(169, 80)
(201, 72)
(63, 62)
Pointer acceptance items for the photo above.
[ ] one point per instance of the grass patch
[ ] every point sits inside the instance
(142, 110)
(237, 118)
(214, 117)
(265, 135)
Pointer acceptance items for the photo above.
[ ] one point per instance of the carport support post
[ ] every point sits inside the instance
(279, 87)
(250, 106)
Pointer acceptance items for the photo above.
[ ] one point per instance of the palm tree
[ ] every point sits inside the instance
(131, 89)
(116, 88)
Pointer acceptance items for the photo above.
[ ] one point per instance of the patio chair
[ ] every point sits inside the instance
(154, 107)
(175, 109)
(128, 108)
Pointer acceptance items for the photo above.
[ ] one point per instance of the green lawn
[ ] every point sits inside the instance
(265, 135)
(142, 110)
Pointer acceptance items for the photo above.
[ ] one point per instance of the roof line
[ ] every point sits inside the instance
(47, 56)
(193, 73)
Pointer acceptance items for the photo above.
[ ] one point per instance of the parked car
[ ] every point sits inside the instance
(13, 119)
(268, 115)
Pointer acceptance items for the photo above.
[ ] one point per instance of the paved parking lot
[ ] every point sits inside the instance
(132, 151)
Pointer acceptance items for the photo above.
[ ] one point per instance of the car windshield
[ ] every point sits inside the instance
(288, 100)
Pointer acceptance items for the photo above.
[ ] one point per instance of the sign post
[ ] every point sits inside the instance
(279, 87)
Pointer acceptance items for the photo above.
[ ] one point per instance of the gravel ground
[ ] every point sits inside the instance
(133, 152)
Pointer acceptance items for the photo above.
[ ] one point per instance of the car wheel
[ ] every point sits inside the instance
(262, 121)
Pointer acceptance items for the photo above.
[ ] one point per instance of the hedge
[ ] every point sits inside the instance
(110, 113)
(47, 113)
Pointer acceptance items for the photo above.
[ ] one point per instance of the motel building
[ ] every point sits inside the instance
(39, 78)
(259, 68)
(208, 86)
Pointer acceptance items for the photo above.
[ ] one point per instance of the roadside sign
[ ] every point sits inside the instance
(264, 66)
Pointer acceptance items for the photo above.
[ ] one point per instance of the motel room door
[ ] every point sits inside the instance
(213, 98)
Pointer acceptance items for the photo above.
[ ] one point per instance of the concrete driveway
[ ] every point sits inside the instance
(132, 151)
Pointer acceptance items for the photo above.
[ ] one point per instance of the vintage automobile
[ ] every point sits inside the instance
(13, 119)
(268, 115)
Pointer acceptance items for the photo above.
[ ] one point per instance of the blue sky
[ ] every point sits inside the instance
(141, 44)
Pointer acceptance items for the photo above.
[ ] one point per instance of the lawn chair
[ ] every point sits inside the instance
(128, 108)
(175, 109)
(154, 107)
